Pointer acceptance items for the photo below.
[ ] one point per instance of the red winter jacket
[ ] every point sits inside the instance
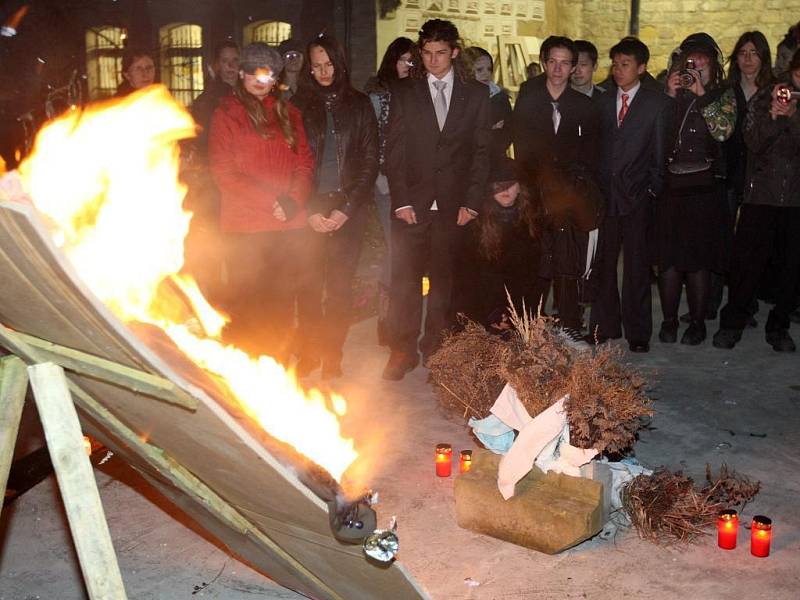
(253, 172)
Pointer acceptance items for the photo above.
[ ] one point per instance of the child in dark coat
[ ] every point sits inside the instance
(502, 251)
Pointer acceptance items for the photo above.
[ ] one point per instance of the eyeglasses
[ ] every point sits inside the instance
(745, 53)
(291, 54)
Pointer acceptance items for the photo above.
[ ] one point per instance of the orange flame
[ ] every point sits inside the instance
(107, 178)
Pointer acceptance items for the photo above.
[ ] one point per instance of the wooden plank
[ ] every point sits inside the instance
(13, 385)
(190, 485)
(216, 444)
(100, 368)
(76, 481)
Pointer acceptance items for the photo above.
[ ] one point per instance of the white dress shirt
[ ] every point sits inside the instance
(631, 93)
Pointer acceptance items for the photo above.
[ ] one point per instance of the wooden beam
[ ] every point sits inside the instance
(13, 385)
(76, 481)
(184, 480)
(98, 368)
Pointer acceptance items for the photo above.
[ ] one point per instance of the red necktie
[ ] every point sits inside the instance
(623, 110)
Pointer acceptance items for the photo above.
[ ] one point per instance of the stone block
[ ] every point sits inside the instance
(548, 512)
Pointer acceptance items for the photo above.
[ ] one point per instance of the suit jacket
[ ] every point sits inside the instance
(537, 147)
(633, 157)
(424, 164)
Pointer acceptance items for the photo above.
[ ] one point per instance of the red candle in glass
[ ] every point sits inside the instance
(444, 460)
(465, 463)
(727, 529)
(760, 536)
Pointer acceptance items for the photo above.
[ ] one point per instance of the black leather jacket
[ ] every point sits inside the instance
(773, 158)
(356, 145)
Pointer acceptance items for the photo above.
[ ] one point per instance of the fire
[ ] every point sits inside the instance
(107, 181)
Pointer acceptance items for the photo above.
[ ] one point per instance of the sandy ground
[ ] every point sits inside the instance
(713, 406)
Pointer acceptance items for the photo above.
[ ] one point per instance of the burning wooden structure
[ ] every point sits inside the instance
(182, 427)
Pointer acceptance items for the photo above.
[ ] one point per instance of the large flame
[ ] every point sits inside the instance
(107, 178)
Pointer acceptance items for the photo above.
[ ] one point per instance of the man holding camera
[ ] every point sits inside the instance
(770, 214)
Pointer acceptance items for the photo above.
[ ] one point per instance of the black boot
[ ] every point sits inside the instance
(669, 332)
(694, 334)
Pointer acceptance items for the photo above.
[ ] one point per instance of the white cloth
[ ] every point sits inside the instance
(543, 440)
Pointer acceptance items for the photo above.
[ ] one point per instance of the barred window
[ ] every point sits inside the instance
(269, 32)
(181, 46)
(104, 49)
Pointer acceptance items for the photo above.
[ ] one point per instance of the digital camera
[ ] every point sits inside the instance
(686, 77)
(786, 95)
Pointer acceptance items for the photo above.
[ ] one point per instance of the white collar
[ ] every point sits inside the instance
(448, 78)
(631, 92)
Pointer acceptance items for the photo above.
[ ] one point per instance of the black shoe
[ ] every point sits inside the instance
(399, 364)
(669, 332)
(727, 338)
(781, 341)
(305, 366)
(331, 369)
(639, 347)
(694, 334)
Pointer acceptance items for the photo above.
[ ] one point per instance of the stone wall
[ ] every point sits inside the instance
(664, 23)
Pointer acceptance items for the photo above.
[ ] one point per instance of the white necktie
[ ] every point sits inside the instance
(556, 117)
(440, 103)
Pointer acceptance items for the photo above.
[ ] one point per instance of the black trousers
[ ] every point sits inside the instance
(263, 271)
(325, 304)
(425, 248)
(628, 233)
(759, 228)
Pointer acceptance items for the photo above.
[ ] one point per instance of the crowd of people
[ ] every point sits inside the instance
(693, 177)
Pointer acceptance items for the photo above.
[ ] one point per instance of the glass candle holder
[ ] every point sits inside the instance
(465, 460)
(727, 529)
(760, 536)
(444, 460)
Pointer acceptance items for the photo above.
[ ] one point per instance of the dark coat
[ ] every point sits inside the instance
(424, 164)
(633, 156)
(356, 144)
(538, 149)
(773, 158)
(204, 106)
(500, 110)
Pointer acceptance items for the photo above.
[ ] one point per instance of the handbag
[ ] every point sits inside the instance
(684, 174)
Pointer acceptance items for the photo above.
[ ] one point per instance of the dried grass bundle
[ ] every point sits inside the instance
(466, 369)
(667, 508)
(606, 398)
(536, 361)
(606, 401)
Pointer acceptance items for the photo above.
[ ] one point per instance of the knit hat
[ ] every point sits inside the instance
(260, 56)
(503, 170)
(703, 43)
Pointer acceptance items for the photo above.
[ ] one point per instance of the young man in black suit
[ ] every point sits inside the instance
(437, 162)
(556, 133)
(634, 123)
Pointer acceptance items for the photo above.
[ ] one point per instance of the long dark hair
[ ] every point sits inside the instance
(335, 52)
(758, 40)
(387, 72)
(528, 213)
(260, 118)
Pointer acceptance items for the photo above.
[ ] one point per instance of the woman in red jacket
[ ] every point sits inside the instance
(261, 161)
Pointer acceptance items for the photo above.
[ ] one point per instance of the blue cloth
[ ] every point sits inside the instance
(493, 433)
